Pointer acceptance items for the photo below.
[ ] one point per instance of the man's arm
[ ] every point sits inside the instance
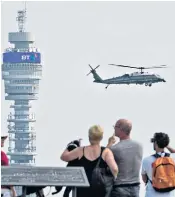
(170, 149)
(144, 172)
(144, 178)
(111, 141)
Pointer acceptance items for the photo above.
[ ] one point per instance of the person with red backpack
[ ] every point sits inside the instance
(158, 170)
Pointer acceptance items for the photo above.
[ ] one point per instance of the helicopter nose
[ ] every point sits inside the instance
(163, 80)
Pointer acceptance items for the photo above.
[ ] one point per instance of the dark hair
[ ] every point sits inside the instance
(162, 139)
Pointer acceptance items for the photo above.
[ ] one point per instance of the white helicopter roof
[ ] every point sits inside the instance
(139, 73)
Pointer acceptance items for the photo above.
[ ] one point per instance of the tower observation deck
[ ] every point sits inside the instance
(21, 72)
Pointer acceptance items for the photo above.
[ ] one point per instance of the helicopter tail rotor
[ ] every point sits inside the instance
(92, 69)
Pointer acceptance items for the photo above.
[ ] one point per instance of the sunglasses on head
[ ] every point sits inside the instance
(152, 140)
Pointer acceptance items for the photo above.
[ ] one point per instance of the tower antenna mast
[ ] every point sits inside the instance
(25, 5)
(21, 18)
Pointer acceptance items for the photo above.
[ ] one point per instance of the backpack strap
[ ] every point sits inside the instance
(167, 155)
(148, 180)
(98, 163)
(83, 150)
(102, 148)
(157, 155)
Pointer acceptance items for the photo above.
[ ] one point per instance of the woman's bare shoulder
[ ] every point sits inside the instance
(106, 151)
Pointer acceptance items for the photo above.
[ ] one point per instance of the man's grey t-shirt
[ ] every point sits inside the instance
(128, 156)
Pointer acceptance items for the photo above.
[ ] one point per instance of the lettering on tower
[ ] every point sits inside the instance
(25, 57)
(21, 57)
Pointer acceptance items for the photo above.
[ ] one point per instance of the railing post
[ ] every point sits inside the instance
(74, 192)
(24, 189)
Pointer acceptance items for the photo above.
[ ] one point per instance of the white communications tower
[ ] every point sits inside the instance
(21, 72)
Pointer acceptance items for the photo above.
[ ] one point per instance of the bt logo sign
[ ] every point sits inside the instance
(31, 57)
(25, 57)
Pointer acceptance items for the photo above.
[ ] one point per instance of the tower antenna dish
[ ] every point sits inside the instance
(21, 18)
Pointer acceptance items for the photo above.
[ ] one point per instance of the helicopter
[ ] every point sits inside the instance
(138, 78)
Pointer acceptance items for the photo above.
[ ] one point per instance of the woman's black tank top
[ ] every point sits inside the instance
(89, 167)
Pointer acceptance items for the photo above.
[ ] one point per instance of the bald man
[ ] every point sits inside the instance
(128, 156)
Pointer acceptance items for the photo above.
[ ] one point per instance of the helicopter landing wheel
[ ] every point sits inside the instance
(107, 86)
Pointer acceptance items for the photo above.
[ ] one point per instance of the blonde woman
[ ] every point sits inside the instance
(88, 157)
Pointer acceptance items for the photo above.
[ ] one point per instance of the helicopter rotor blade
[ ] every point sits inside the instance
(90, 66)
(96, 67)
(123, 66)
(88, 73)
(161, 66)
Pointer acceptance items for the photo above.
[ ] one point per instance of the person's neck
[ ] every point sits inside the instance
(125, 138)
(95, 144)
(159, 150)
